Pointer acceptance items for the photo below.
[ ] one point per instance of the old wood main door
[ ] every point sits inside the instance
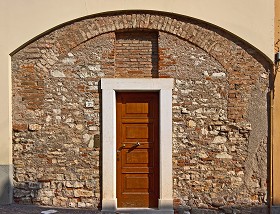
(137, 149)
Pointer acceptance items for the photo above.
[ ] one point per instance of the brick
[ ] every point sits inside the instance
(20, 127)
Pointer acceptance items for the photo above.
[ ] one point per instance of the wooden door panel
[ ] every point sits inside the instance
(137, 157)
(137, 165)
(136, 131)
(136, 182)
(137, 191)
(142, 132)
(130, 200)
(137, 108)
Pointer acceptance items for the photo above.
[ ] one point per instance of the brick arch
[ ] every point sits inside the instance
(210, 38)
(243, 63)
(229, 50)
(225, 47)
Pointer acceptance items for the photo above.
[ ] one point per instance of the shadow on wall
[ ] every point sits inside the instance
(224, 210)
(35, 209)
(5, 188)
(99, 144)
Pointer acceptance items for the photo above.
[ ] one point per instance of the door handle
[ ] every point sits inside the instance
(122, 146)
(136, 144)
(133, 147)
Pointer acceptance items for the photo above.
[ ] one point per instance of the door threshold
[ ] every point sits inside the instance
(142, 211)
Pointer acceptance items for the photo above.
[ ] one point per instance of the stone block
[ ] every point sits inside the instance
(219, 140)
(20, 193)
(83, 193)
(203, 211)
(81, 204)
(34, 127)
(20, 127)
(34, 185)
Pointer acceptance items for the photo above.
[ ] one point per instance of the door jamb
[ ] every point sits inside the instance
(109, 87)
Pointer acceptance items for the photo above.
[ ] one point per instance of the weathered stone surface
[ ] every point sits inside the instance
(20, 193)
(74, 184)
(57, 74)
(219, 75)
(223, 155)
(20, 127)
(34, 127)
(204, 211)
(191, 124)
(83, 193)
(219, 140)
(34, 185)
(218, 202)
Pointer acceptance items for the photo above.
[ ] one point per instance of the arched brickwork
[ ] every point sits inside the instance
(223, 123)
(228, 50)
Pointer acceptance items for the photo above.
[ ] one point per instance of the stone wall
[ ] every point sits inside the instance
(217, 161)
(220, 109)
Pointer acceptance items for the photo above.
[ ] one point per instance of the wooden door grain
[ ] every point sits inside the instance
(137, 149)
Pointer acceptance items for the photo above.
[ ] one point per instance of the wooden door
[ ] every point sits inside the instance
(137, 149)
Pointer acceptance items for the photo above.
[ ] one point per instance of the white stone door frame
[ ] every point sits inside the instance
(109, 88)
